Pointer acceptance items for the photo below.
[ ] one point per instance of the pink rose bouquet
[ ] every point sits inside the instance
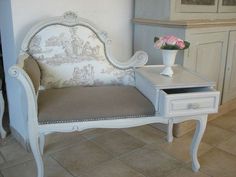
(170, 42)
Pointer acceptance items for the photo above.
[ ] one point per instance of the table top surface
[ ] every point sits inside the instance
(182, 77)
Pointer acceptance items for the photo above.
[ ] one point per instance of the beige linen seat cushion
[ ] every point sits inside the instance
(77, 104)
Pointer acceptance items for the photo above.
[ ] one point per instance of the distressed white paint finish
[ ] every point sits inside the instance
(37, 132)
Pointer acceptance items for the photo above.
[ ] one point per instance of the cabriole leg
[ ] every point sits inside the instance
(2, 106)
(200, 129)
(41, 142)
(170, 131)
(34, 144)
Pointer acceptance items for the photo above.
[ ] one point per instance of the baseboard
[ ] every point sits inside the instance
(185, 127)
(20, 139)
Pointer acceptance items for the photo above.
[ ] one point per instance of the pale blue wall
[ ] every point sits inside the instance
(10, 56)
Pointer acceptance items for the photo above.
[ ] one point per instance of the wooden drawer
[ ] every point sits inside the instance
(188, 101)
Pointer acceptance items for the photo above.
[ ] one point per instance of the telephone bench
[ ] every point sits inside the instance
(72, 83)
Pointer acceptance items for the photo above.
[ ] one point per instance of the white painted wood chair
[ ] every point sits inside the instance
(73, 83)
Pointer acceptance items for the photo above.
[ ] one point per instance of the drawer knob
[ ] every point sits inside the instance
(193, 106)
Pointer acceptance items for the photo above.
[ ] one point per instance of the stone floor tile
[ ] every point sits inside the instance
(229, 145)
(93, 133)
(113, 168)
(151, 163)
(118, 142)
(59, 141)
(233, 113)
(81, 157)
(180, 148)
(227, 121)
(7, 141)
(183, 172)
(28, 169)
(218, 163)
(146, 133)
(15, 162)
(1, 159)
(215, 135)
(14, 151)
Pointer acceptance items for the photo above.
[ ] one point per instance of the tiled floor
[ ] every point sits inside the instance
(134, 152)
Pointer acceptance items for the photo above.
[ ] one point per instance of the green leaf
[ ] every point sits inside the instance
(170, 47)
(187, 44)
(156, 39)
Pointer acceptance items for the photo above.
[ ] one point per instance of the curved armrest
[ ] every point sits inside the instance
(18, 72)
(139, 59)
(21, 72)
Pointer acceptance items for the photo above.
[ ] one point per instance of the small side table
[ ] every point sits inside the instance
(185, 96)
(2, 106)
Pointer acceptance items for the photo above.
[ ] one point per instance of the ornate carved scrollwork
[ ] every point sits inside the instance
(14, 71)
(141, 58)
(70, 16)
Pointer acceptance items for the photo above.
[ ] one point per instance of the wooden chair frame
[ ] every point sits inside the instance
(37, 132)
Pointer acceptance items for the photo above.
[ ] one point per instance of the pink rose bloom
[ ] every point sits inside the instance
(171, 40)
(180, 44)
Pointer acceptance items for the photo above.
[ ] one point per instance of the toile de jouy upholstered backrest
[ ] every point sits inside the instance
(71, 51)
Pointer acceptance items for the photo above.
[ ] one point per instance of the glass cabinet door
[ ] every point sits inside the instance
(197, 2)
(196, 5)
(227, 5)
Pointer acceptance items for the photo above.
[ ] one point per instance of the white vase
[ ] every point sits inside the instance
(168, 57)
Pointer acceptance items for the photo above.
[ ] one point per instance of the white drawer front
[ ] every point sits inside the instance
(188, 101)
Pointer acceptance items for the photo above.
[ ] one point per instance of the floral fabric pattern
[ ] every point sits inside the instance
(72, 56)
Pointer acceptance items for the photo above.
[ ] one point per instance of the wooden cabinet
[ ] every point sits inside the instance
(230, 72)
(213, 55)
(227, 6)
(212, 52)
(207, 55)
(196, 5)
(208, 6)
(198, 2)
(210, 49)
(210, 27)
(185, 9)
